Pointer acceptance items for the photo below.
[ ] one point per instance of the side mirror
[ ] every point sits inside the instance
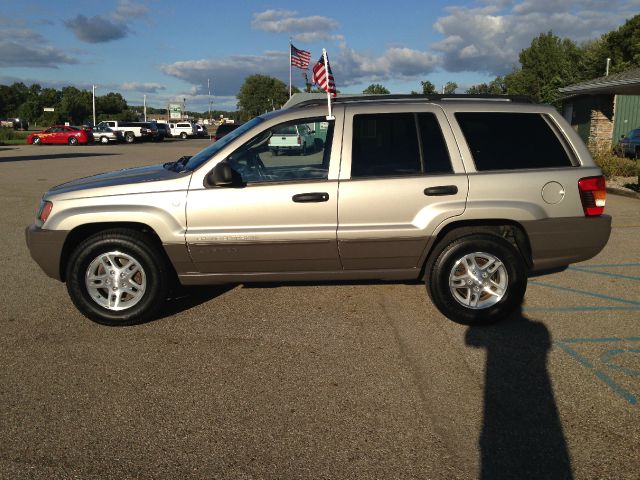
(220, 176)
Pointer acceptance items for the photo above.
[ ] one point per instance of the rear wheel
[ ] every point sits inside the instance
(129, 137)
(477, 278)
(72, 141)
(104, 140)
(183, 135)
(117, 277)
(36, 141)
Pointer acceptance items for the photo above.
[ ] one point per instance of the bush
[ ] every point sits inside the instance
(614, 166)
(8, 133)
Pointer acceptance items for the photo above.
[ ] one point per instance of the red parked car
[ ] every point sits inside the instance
(61, 134)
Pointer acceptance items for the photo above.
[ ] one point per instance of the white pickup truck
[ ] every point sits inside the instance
(132, 131)
(292, 138)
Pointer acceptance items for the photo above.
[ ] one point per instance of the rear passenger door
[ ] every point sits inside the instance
(401, 177)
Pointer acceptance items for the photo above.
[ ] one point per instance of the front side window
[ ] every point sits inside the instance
(504, 140)
(398, 144)
(284, 153)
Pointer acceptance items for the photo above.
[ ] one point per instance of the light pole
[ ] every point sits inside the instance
(94, 104)
(144, 102)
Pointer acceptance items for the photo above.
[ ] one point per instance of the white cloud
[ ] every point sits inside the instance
(228, 73)
(305, 29)
(489, 38)
(106, 28)
(149, 87)
(128, 10)
(352, 67)
(26, 48)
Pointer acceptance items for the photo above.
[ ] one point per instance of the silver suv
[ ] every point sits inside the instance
(470, 195)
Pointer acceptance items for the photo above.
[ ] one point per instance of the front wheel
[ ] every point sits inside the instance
(73, 141)
(36, 141)
(104, 140)
(477, 278)
(183, 136)
(117, 277)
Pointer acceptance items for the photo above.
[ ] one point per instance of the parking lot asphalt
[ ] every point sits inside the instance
(312, 381)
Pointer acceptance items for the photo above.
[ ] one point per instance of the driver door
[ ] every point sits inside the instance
(280, 214)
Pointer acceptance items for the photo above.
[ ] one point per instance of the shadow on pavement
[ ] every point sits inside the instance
(521, 435)
(54, 156)
(185, 298)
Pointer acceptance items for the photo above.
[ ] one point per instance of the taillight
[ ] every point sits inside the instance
(299, 140)
(44, 211)
(593, 193)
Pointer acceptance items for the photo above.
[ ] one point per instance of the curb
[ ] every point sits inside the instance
(623, 192)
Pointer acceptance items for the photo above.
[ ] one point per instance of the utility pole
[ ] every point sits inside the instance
(144, 101)
(209, 89)
(94, 104)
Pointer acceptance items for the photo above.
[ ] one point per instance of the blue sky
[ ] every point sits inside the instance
(167, 50)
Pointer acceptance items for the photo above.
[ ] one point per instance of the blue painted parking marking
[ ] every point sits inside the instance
(623, 304)
(605, 274)
(610, 359)
(586, 293)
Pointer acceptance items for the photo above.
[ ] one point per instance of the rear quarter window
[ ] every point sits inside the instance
(506, 141)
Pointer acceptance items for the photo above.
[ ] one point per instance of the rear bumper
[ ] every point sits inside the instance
(557, 242)
(45, 247)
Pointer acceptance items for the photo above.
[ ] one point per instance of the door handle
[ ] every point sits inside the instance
(310, 197)
(441, 190)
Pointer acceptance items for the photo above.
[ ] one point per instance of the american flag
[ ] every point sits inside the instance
(324, 77)
(300, 58)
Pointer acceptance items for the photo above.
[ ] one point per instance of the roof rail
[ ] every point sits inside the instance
(307, 99)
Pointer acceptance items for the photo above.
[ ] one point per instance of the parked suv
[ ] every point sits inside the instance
(183, 130)
(447, 190)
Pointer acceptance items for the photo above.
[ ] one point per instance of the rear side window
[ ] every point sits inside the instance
(397, 144)
(504, 141)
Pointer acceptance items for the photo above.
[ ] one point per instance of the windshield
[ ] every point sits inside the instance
(204, 155)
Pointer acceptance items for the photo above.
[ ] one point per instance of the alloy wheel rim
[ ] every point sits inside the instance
(478, 280)
(115, 280)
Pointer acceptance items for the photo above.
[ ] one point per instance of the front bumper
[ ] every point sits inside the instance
(45, 247)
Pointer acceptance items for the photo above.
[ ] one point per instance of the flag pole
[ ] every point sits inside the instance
(326, 73)
(290, 67)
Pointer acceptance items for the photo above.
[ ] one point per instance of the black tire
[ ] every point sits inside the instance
(129, 137)
(183, 136)
(475, 247)
(154, 277)
(36, 141)
(72, 141)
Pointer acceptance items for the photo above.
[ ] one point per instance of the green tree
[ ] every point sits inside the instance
(75, 106)
(261, 93)
(622, 46)
(428, 88)
(450, 88)
(376, 89)
(111, 103)
(494, 87)
(546, 65)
